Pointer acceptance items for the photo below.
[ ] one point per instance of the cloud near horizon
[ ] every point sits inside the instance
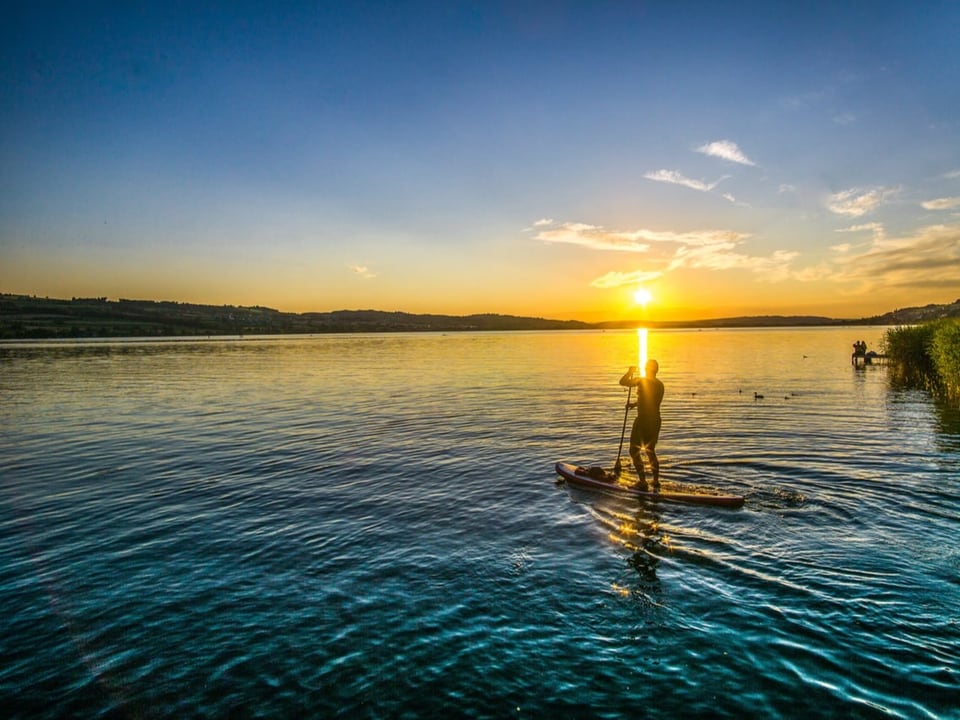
(615, 278)
(930, 258)
(772, 268)
(703, 249)
(927, 258)
(726, 150)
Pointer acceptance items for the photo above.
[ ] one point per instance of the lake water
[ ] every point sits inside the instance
(370, 526)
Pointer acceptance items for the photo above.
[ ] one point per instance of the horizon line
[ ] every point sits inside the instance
(595, 323)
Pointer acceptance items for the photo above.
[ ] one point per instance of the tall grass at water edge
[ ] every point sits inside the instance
(927, 355)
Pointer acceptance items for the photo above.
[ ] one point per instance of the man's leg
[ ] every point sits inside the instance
(637, 455)
(654, 466)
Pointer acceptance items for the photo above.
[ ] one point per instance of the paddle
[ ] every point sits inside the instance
(618, 468)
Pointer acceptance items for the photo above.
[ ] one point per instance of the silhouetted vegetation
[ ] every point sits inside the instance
(25, 317)
(927, 355)
(946, 356)
(29, 317)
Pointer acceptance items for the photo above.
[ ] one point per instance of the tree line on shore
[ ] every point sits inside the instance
(30, 317)
(26, 317)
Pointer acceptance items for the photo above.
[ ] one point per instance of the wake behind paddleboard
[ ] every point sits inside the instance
(582, 477)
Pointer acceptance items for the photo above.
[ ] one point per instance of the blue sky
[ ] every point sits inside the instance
(518, 157)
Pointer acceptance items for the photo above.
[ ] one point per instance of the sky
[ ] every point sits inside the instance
(549, 159)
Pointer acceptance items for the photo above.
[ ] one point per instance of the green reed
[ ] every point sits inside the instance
(927, 355)
(945, 349)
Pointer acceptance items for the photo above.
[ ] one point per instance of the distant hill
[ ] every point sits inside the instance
(914, 315)
(25, 317)
(733, 322)
(28, 317)
(379, 321)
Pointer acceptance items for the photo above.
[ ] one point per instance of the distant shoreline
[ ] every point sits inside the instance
(24, 317)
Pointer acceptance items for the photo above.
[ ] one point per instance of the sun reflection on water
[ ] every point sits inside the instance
(642, 351)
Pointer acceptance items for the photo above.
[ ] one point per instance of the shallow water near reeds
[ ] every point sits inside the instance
(370, 526)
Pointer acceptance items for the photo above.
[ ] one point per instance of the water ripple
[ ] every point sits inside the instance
(275, 527)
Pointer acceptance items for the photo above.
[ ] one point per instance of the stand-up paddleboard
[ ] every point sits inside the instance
(605, 481)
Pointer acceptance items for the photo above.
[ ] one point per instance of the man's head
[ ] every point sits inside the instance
(651, 368)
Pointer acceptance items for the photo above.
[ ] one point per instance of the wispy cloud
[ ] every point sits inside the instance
(845, 118)
(597, 237)
(856, 202)
(363, 271)
(941, 203)
(675, 178)
(952, 175)
(730, 198)
(772, 268)
(725, 150)
(594, 237)
(619, 279)
(542, 222)
(929, 258)
(879, 234)
(669, 251)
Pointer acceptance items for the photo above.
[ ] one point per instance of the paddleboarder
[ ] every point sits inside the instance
(646, 427)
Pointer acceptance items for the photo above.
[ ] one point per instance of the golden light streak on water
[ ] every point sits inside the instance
(642, 351)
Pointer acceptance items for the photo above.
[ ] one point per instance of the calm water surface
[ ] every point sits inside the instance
(370, 526)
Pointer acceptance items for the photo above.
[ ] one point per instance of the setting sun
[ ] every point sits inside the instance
(642, 296)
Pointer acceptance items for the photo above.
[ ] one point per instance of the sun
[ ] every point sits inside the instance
(642, 296)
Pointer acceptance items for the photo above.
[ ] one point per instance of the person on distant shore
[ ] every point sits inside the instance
(646, 426)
